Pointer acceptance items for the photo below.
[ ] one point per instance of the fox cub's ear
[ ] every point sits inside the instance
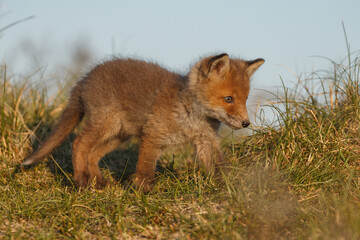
(218, 65)
(254, 65)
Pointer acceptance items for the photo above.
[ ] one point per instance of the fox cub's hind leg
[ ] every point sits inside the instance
(92, 143)
(79, 159)
(145, 168)
(94, 158)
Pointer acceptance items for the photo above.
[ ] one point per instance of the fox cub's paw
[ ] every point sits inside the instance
(101, 183)
(84, 181)
(143, 184)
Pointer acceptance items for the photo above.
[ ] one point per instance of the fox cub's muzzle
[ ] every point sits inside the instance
(236, 123)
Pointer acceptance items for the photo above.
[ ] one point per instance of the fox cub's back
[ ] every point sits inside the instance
(128, 85)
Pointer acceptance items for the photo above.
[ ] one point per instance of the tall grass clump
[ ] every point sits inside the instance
(316, 136)
(22, 109)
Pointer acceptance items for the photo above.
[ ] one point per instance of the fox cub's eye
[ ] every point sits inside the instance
(228, 99)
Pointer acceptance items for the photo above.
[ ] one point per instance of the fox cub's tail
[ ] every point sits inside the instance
(71, 116)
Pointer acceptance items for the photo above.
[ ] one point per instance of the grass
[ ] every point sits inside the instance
(297, 178)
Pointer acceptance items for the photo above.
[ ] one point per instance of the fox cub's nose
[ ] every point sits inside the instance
(245, 123)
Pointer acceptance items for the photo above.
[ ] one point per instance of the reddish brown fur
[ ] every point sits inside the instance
(125, 97)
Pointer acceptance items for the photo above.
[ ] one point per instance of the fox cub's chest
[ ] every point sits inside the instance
(187, 131)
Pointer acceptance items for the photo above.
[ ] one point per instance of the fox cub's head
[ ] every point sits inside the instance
(222, 86)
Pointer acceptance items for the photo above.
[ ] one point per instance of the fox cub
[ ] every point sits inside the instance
(123, 98)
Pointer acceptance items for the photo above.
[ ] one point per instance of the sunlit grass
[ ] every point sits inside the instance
(296, 179)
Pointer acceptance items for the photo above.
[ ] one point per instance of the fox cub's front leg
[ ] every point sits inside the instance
(208, 151)
(145, 168)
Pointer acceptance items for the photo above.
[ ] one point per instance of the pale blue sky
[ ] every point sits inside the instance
(176, 33)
